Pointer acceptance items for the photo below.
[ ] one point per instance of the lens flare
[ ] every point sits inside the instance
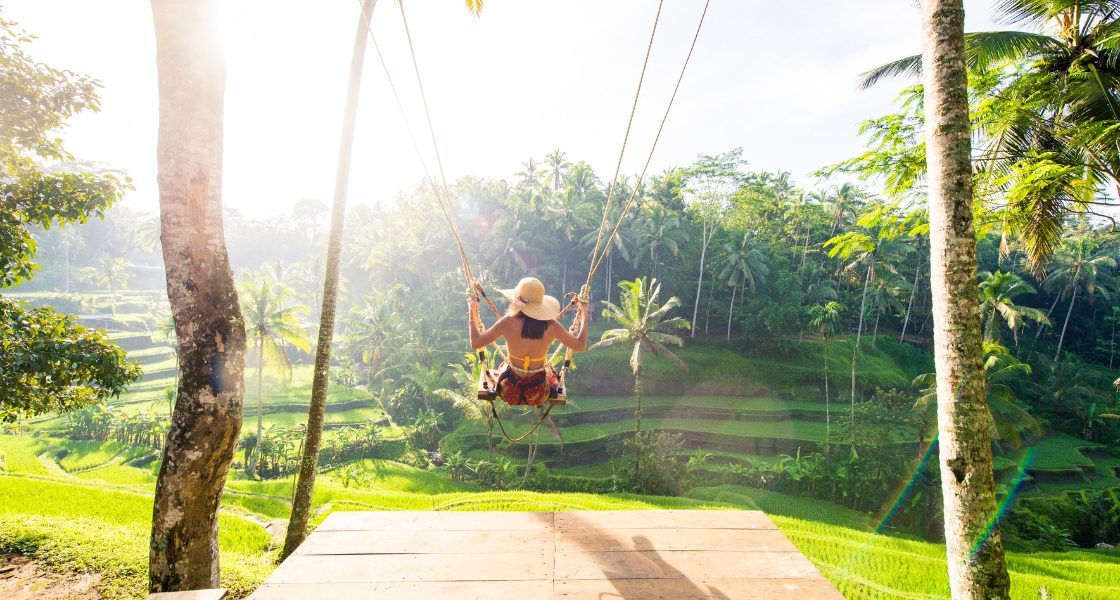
(1008, 500)
(906, 487)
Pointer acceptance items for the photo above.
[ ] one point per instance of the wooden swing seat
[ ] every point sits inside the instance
(488, 387)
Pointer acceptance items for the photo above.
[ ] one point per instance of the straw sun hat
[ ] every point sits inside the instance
(530, 299)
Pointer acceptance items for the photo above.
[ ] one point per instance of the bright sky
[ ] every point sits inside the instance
(523, 79)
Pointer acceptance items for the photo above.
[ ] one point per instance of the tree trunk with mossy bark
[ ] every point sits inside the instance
(974, 548)
(309, 462)
(200, 287)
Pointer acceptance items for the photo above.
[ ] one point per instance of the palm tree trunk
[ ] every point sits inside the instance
(977, 569)
(731, 313)
(708, 312)
(827, 406)
(564, 277)
(700, 280)
(875, 330)
(183, 552)
(1062, 337)
(855, 347)
(1053, 305)
(805, 249)
(260, 405)
(305, 484)
(637, 424)
(910, 304)
(1112, 343)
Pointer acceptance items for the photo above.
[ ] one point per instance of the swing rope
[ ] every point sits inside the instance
(601, 249)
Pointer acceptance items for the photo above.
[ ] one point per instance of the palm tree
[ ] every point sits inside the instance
(843, 204)
(710, 181)
(1082, 267)
(1009, 420)
(71, 241)
(884, 297)
(203, 297)
(108, 272)
(660, 230)
(646, 325)
(464, 398)
(372, 326)
(572, 214)
(530, 178)
(271, 324)
(861, 250)
(305, 482)
(826, 321)
(624, 244)
(974, 547)
(557, 168)
(997, 302)
(745, 266)
(1052, 135)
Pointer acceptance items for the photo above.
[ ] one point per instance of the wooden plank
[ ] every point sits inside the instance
(435, 590)
(215, 594)
(425, 541)
(685, 564)
(436, 520)
(664, 519)
(683, 589)
(621, 540)
(359, 568)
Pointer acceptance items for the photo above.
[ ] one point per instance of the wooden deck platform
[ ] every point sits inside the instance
(633, 555)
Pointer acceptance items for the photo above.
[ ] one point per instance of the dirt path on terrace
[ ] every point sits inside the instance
(22, 579)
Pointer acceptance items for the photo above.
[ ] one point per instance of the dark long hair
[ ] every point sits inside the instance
(532, 329)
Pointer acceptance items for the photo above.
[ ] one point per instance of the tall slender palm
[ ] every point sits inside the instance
(309, 461)
(1081, 267)
(709, 183)
(271, 324)
(743, 265)
(557, 167)
(825, 319)
(844, 202)
(997, 303)
(373, 325)
(973, 545)
(660, 231)
(861, 250)
(108, 272)
(646, 325)
(531, 176)
(573, 214)
(884, 296)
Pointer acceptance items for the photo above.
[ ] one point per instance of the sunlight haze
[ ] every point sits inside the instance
(517, 82)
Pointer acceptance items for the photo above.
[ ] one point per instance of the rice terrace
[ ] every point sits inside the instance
(495, 299)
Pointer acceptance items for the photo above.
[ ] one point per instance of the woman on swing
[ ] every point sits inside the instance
(529, 327)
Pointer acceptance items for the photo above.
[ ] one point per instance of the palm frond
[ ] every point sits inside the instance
(909, 67)
(985, 49)
(664, 352)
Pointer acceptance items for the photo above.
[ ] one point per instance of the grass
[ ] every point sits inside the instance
(21, 455)
(863, 564)
(76, 455)
(86, 524)
(1059, 452)
(730, 403)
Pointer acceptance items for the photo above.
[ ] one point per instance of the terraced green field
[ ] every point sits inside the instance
(99, 521)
